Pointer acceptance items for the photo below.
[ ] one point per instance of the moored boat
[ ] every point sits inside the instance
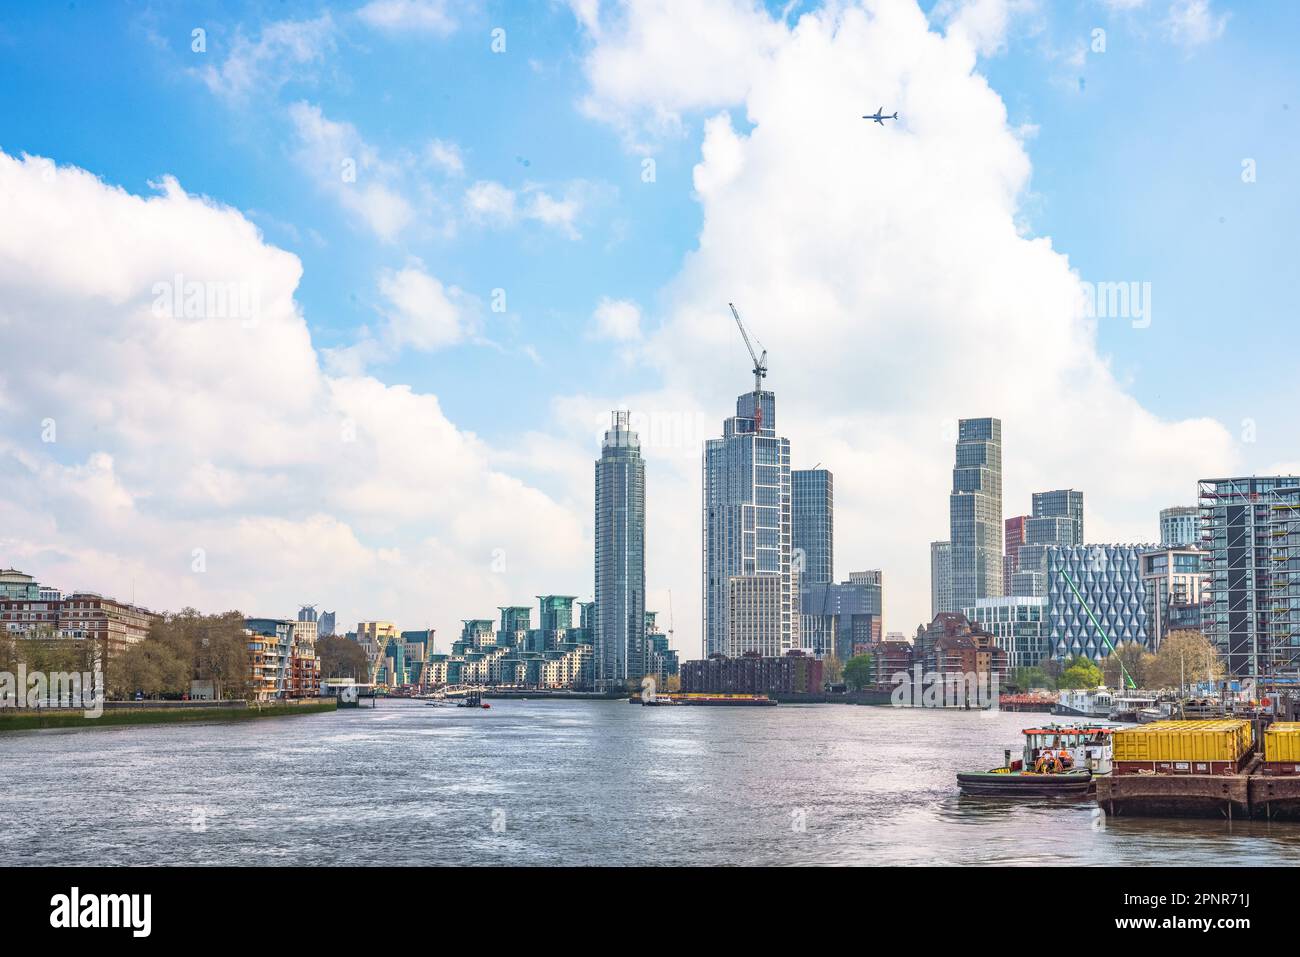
(1057, 760)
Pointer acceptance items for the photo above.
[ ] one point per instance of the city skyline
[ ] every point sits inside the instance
(442, 297)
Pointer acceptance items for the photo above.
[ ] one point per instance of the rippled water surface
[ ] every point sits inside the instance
(585, 782)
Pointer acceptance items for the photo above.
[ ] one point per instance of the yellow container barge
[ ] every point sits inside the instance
(1282, 748)
(1213, 746)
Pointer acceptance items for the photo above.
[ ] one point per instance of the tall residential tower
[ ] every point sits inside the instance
(620, 558)
(975, 512)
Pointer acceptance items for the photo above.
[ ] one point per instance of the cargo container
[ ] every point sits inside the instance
(1183, 747)
(1282, 748)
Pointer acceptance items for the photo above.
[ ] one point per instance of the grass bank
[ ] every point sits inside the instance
(16, 720)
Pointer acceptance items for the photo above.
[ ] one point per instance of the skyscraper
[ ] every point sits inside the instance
(1109, 580)
(975, 512)
(620, 558)
(813, 524)
(747, 534)
(1057, 520)
(1180, 525)
(940, 578)
(1013, 536)
(1250, 529)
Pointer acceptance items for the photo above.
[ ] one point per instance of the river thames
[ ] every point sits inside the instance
(575, 783)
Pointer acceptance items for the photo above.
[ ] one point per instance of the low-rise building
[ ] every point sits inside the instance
(791, 673)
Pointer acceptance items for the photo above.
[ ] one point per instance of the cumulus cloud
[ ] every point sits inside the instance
(490, 203)
(884, 271)
(197, 430)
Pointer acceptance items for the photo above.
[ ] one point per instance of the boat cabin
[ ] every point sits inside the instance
(1088, 744)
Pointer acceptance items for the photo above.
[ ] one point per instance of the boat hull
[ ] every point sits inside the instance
(999, 783)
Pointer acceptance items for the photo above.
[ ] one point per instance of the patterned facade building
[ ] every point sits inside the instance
(1110, 598)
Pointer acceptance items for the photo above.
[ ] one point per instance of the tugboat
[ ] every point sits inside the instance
(1058, 760)
(473, 699)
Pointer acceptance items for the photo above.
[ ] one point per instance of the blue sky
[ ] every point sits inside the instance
(1136, 156)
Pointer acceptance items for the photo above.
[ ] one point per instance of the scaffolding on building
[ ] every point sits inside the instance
(1253, 563)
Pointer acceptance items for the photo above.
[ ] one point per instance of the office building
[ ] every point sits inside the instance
(620, 646)
(1250, 530)
(750, 589)
(1057, 519)
(1109, 581)
(843, 619)
(1013, 536)
(1018, 625)
(975, 512)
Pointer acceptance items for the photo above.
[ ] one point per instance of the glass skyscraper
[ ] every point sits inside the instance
(813, 524)
(975, 513)
(748, 535)
(619, 653)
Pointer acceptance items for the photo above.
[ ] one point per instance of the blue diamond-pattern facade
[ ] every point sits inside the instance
(1109, 578)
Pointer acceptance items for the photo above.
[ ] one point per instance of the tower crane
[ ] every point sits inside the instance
(760, 362)
(760, 369)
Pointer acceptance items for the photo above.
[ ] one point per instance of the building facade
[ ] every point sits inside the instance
(747, 535)
(1108, 579)
(1175, 583)
(940, 578)
(791, 673)
(1018, 625)
(843, 619)
(620, 645)
(1057, 519)
(1180, 525)
(975, 512)
(1250, 530)
(812, 518)
(1013, 536)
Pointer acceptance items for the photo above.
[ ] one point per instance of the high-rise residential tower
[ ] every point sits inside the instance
(1180, 525)
(1250, 530)
(975, 512)
(747, 535)
(940, 578)
(620, 558)
(812, 517)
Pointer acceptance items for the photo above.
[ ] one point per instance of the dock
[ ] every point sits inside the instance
(1252, 793)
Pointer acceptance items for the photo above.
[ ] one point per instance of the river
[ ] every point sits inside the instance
(578, 783)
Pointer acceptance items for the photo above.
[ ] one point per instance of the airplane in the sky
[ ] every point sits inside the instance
(880, 117)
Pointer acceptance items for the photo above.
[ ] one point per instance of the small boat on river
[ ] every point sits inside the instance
(1057, 760)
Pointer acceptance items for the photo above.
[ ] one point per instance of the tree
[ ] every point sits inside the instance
(342, 658)
(1080, 672)
(832, 669)
(1033, 676)
(1135, 658)
(1185, 657)
(859, 673)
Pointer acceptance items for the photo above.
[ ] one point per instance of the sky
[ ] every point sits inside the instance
(319, 303)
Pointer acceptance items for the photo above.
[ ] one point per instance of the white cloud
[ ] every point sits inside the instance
(220, 431)
(285, 50)
(981, 23)
(446, 157)
(883, 270)
(618, 319)
(492, 204)
(425, 16)
(343, 164)
(1193, 23)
